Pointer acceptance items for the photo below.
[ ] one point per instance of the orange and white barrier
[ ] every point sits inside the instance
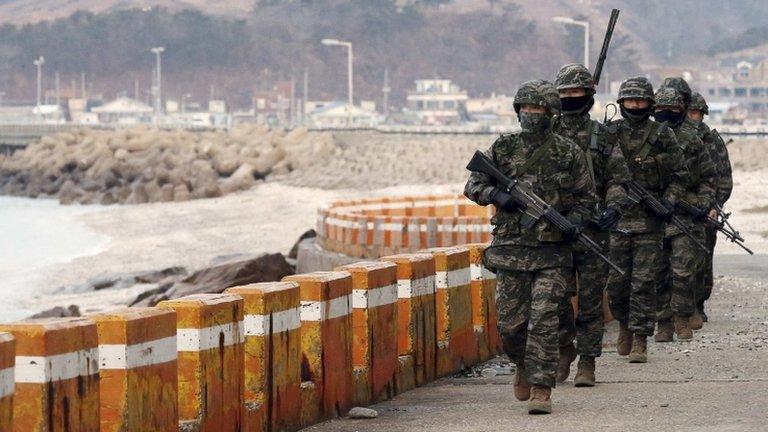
(56, 375)
(272, 365)
(374, 329)
(7, 360)
(137, 370)
(456, 348)
(209, 340)
(416, 327)
(484, 312)
(326, 344)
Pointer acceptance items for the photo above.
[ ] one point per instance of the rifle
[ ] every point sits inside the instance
(536, 207)
(721, 224)
(638, 194)
(604, 50)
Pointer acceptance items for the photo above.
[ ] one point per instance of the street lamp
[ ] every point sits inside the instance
(349, 64)
(158, 98)
(585, 24)
(39, 63)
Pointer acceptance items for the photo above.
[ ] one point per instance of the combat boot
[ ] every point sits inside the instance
(567, 356)
(639, 353)
(624, 344)
(696, 321)
(522, 386)
(682, 328)
(540, 402)
(665, 331)
(585, 374)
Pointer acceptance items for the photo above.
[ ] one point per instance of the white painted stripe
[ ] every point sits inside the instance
(121, 356)
(437, 203)
(6, 382)
(392, 226)
(375, 297)
(488, 275)
(341, 223)
(407, 288)
(281, 321)
(194, 339)
(479, 272)
(43, 369)
(453, 278)
(325, 310)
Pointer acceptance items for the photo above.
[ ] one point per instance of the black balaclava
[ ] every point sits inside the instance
(669, 117)
(635, 115)
(577, 105)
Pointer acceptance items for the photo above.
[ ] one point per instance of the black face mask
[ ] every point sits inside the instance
(577, 105)
(635, 115)
(671, 118)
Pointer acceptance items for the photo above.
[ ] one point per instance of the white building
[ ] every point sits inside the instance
(124, 110)
(496, 106)
(341, 115)
(437, 101)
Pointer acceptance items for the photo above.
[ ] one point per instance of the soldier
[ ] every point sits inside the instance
(533, 258)
(682, 257)
(719, 153)
(608, 170)
(655, 161)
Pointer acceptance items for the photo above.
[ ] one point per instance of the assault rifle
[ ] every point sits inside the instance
(536, 207)
(721, 224)
(638, 194)
(604, 50)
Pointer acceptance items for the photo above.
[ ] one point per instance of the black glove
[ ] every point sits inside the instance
(698, 214)
(503, 200)
(669, 207)
(572, 232)
(608, 219)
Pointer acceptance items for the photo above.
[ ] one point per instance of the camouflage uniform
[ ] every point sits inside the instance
(719, 154)
(682, 257)
(609, 171)
(656, 162)
(532, 259)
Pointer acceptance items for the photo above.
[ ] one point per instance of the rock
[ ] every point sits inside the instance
(181, 193)
(263, 165)
(166, 192)
(488, 372)
(295, 249)
(159, 275)
(58, 312)
(362, 413)
(138, 195)
(69, 192)
(241, 179)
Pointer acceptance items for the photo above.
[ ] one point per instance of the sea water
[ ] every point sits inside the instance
(36, 233)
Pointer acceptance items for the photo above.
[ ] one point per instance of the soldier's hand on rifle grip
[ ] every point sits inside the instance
(608, 218)
(669, 207)
(503, 200)
(698, 214)
(714, 215)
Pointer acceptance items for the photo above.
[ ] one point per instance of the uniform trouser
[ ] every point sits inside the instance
(587, 327)
(528, 322)
(680, 275)
(632, 296)
(707, 280)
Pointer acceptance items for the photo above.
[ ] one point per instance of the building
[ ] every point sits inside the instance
(341, 115)
(494, 109)
(275, 106)
(437, 101)
(124, 110)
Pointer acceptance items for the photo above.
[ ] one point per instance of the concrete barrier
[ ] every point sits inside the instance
(210, 361)
(326, 344)
(456, 347)
(56, 374)
(272, 365)
(416, 327)
(484, 312)
(137, 370)
(7, 360)
(374, 329)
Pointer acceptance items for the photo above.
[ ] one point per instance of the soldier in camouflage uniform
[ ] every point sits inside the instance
(608, 170)
(682, 257)
(656, 162)
(532, 258)
(717, 149)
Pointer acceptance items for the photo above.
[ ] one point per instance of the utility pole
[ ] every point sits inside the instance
(306, 94)
(385, 90)
(136, 94)
(58, 89)
(292, 107)
(158, 83)
(39, 63)
(83, 94)
(350, 89)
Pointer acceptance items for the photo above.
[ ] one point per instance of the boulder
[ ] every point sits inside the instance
(241, 179)
(181, 193)
(58, 312)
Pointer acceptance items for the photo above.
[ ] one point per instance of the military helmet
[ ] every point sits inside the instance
(698, 103)
(636, 88)
(669, 97)
(681, 85)
(573, 76)
(537, 92)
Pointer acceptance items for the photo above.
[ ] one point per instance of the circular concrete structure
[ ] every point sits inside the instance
(374, 228)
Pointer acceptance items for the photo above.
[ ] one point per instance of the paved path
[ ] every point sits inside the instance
(717, 382)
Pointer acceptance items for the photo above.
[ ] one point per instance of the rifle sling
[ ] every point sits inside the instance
(536, 156)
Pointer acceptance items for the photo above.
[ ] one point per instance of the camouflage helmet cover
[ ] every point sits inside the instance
(636, 88)
(669, 97)
(573, 76)
(537, 92)
(679, 84)
(698, 103)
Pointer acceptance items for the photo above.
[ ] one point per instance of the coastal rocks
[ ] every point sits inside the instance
(142, 165)
(58, 312)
